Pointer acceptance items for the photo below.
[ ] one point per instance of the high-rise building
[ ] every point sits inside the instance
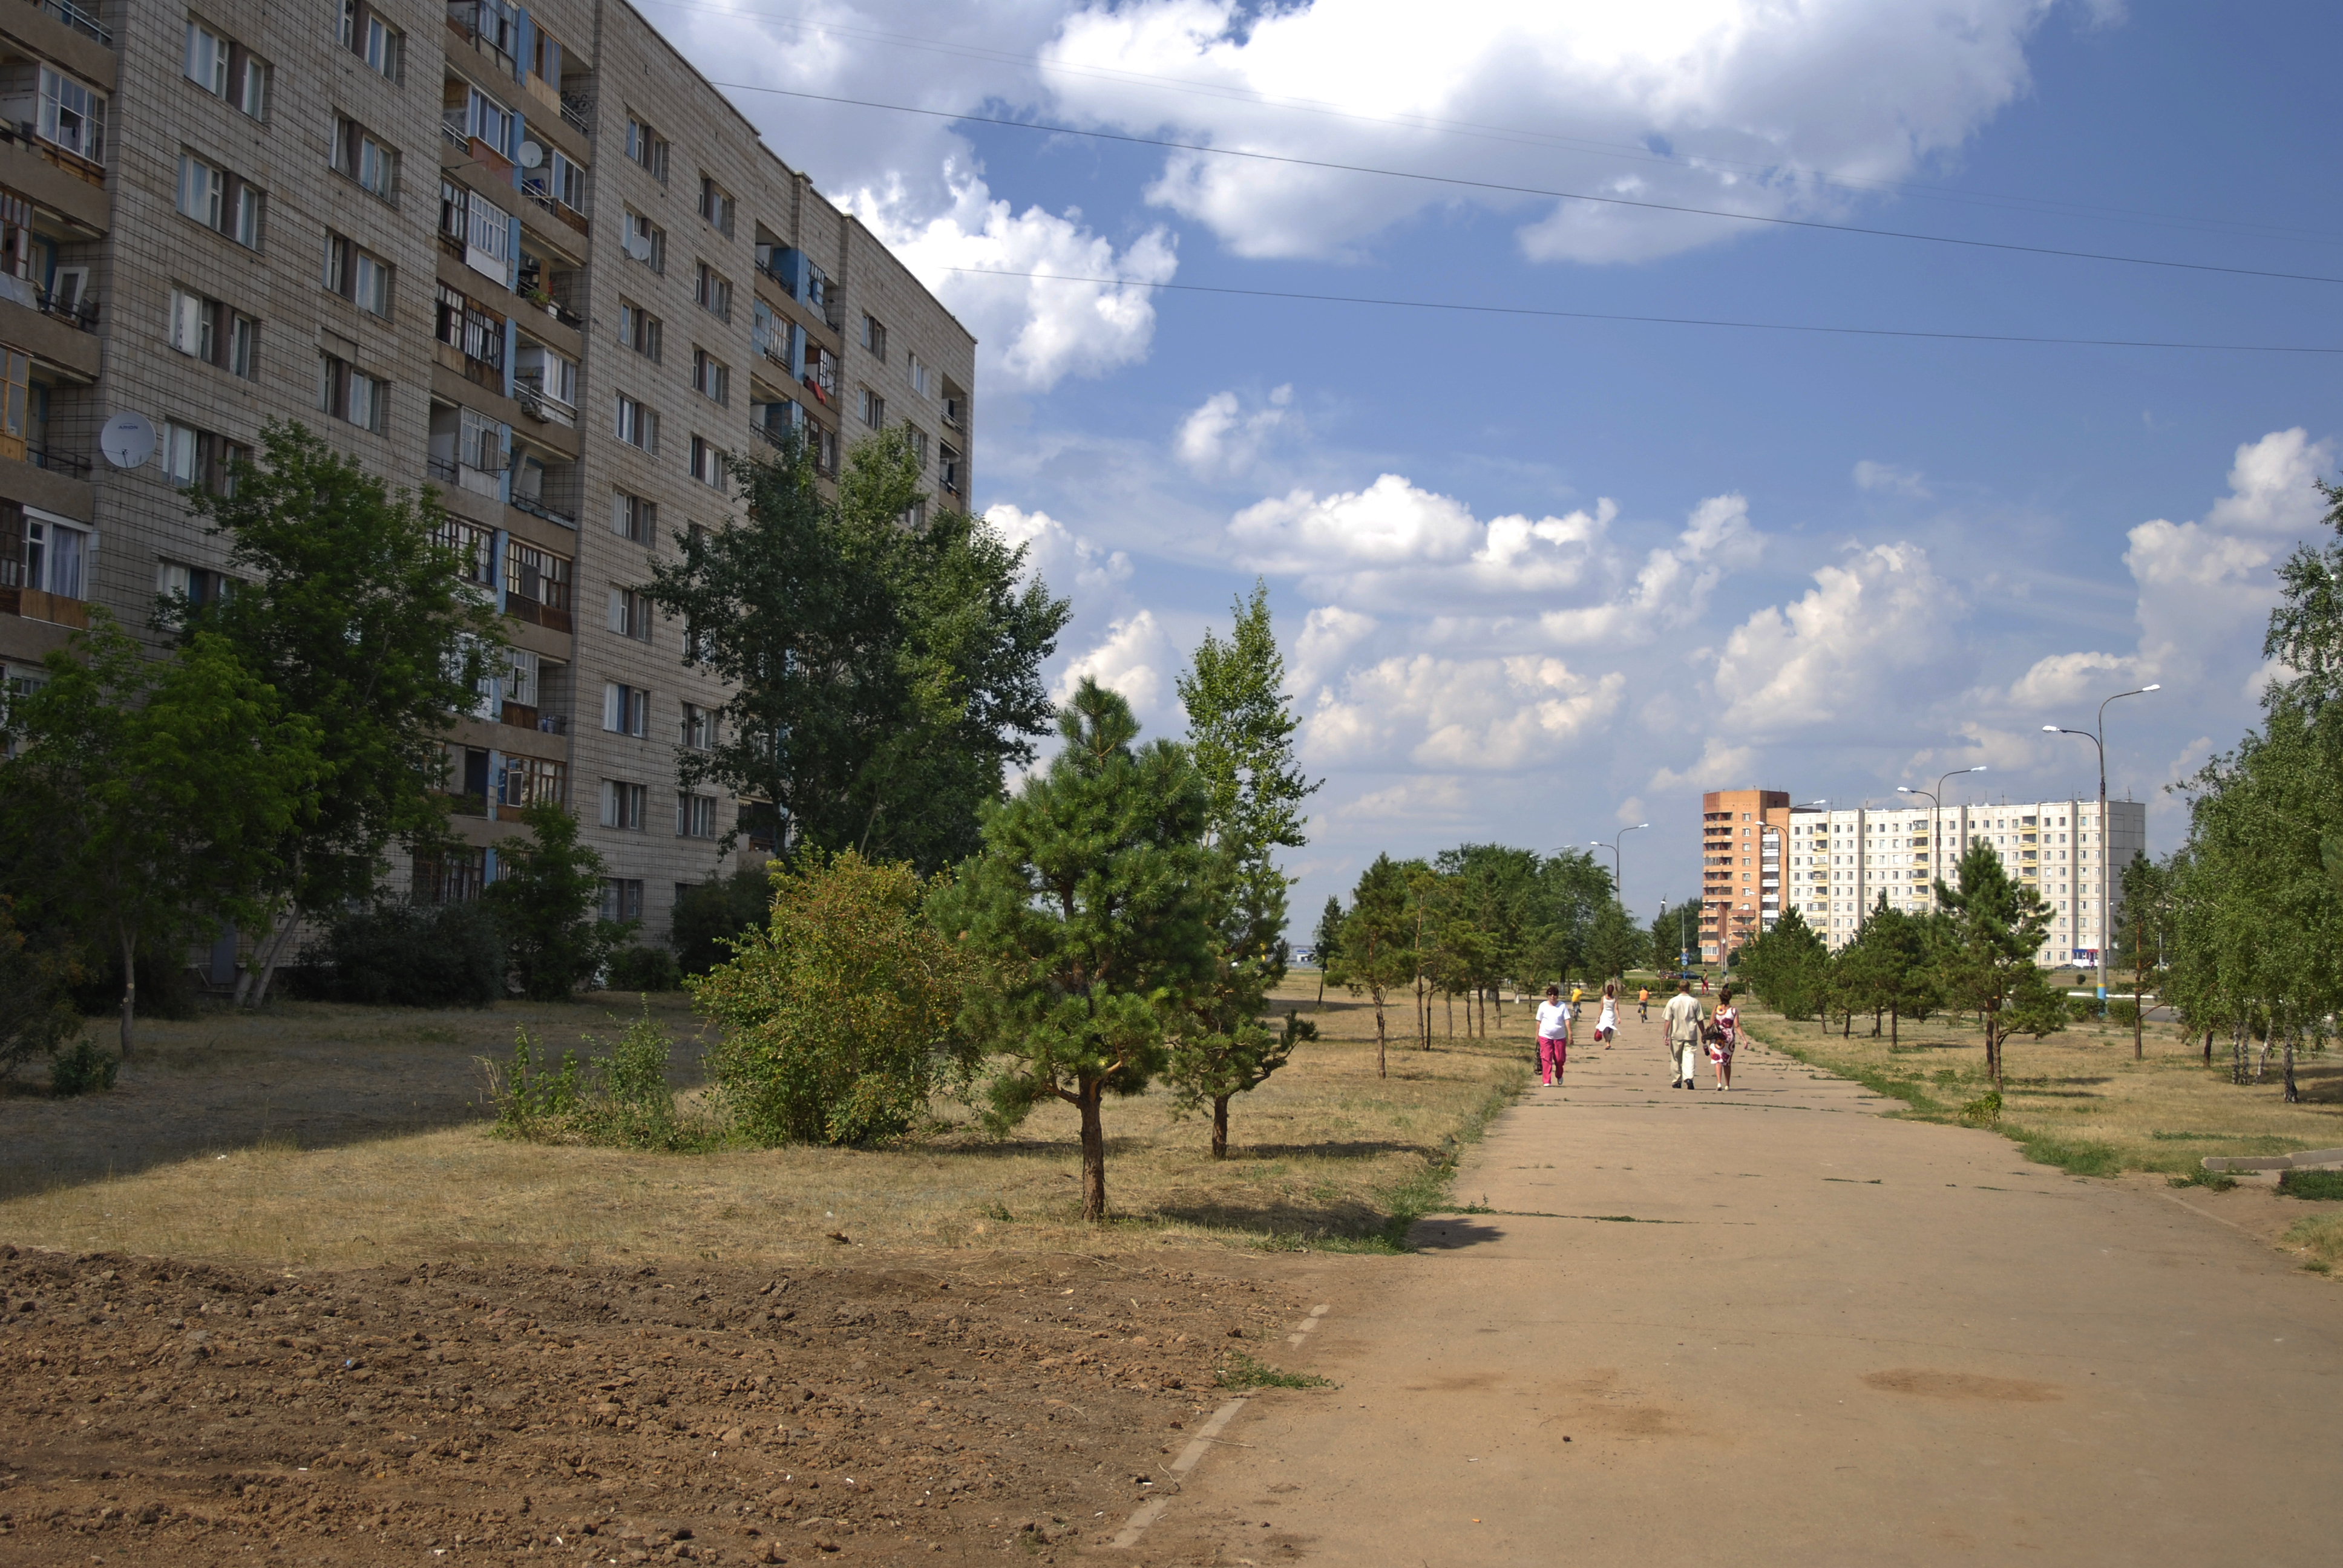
(524, 252)
(1741, 866)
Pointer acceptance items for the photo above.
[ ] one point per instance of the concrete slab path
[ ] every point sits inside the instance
(1772, 1326)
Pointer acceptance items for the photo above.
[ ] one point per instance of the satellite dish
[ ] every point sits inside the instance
(639, 245)
(531, 154)
(127, 440)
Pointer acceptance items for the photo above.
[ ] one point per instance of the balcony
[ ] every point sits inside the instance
(560, 209)
(71, 309)
(70, 465)
(540, 407)
(21, 133)
(73, 17)
(575, 110)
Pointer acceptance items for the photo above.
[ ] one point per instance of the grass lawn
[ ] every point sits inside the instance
(2077, 1100)
(317, 1134)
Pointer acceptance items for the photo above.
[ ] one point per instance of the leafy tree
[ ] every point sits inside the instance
(545, 900)
(148, 797)
(1090, 907)
(1787, 967)
(884, 676)
(1672, 930)
(1240, 737)
(1499, 905)
(709, 916)
(1993, 929)
(1613, 941)
(839, 1012)
(350, 605)
(1377, 953)
(1327, 939)
(2143, 930)
(36, 1016)
(1569, 892)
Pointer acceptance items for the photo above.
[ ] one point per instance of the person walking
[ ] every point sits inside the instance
(1682, 1017)
(1554, 1036)
(1606, 1023)
(1644, 1004)
(1724, 1034)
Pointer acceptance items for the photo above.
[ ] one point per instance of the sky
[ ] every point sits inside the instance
(1541, 577)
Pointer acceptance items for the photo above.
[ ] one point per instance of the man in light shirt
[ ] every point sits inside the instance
(1683, 1030)
(1554, 1036)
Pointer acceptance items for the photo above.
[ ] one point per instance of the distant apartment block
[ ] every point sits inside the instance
(525, 253)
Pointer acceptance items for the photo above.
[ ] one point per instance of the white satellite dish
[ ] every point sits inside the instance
(531, 154)
(639, 245)
(127, 440)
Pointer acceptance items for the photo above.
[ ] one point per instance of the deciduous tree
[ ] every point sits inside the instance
(1377, 953)
(1985, 962)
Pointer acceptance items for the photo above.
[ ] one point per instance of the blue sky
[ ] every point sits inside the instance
(1540, 578)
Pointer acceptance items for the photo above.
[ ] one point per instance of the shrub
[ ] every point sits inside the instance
(1985, 1111)
(707, 917)
(621, 1100)
(402, 955)
(2317, 1184)
(839, 1016)
(82, 1068)
(643, 970)
(34, 1014)
(2082, 1008)
(545, 897)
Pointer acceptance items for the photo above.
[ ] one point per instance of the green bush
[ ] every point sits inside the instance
(82, 1068)
(548, 889)
(2124, 1012)
(2316, 1184)
(621, 1100)
(403, 955)
(709, 916)
(643, 970)
(34, 1014)
(2082, 1008)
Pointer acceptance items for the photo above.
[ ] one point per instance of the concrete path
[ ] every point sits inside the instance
(1770, 1326)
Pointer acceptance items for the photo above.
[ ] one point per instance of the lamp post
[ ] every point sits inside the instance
(1618, 865)
(1936, 802)
(2098, 738)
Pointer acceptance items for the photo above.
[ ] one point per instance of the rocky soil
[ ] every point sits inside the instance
(162, 1412)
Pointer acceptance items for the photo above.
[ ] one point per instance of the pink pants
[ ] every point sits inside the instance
(1552, 1055)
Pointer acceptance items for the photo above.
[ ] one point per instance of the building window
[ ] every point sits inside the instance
(215, 333)
(638, 329)
(227, 69)
(73, 116)
(707, 463)
(715, 293)
(918, 444)
(874, 410)
(631, 613)
(625, 709)
(365, 157)
(695, 816)
(823, 444)
(357, 275)
(199, 458)
(623, 805)
(637, 425)
(645, 147)
(348, 393)
(622, 898)
(549, 375)
(874, 336)
(533, 780)
(54, 557)
(697, 731)
(537, 578)
(948, 469)
(644, 241)
(477, 333)
(922, 378)
(220, 199)
(471, 113)
(716, 206)
(634, 518)
(558, 180)
(364, 34)
(484, 230)
(474, 547)
(710, 377)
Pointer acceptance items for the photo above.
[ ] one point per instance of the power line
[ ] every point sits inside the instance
(1651, 320)
(1517, 135)
(1534, 190)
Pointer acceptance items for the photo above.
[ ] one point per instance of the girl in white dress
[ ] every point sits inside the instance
(1606, 1023)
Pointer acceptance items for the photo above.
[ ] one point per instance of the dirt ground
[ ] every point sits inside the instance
(171, 1413)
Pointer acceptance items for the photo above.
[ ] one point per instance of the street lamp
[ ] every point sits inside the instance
(2098, 738)
(1935, 800)
(1618, 866)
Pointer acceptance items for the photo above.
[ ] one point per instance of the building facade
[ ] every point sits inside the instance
(525, 254)
(1760, 855)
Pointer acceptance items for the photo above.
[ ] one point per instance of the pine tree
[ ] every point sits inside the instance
(1985, 964)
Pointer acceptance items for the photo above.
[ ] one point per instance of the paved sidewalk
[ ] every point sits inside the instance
(1770, 1326)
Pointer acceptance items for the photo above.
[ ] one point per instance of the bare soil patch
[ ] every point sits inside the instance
(173, 1413)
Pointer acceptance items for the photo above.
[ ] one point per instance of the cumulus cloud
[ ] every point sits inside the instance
(1477, 714)
(1136, 658)
(1887, 479)
(1744, 107)
(1221, 440)
(1834, 653)
(1721, 764)
(1329, 633)
(1673, 588)
(2063, 679)
(1436, 796)
(1065, 560)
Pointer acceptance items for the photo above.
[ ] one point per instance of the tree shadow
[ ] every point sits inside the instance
(1447, 1232)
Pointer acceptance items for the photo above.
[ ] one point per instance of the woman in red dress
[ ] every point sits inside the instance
(1727, 1023)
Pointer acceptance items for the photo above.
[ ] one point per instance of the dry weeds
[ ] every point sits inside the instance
(349, 1136)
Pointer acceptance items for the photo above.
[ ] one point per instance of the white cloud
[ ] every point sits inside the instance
(1329, 632)
(1389, 523)
(1673, 588)
(1136, 658)
(1062, 558)
(1830, 656)
(2064, 680)
(1439, 797)
(1219, 439)
(1721, 765)
(1887, 479)
(1743, 106)
(1479, 714)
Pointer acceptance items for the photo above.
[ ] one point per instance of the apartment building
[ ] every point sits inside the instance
(525, 253)
(1741, 866)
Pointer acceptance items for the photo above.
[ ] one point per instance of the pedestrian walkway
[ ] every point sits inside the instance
(1770, 1326)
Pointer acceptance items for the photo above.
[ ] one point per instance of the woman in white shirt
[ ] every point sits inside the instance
(1606, 1023)
(1554, 1035)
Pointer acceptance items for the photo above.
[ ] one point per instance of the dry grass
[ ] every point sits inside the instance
(2077, 1100)
(318, 1135)
(2320, 1240)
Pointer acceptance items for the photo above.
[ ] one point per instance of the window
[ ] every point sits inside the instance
(357, 275)
(199, 458)
(633, 517)
(372, 39)
(56, 555)
(710, 377)
(695, 816)
(545, 55)
(484, 230)
(184, 588)
(73, 116)
(474, 548)
(625, 709)
(623, 807)
(645, 147)
(823, 444)
(948, 468)
(215, 333)
(920, 376)
(476, 333)
(918, 444)
(637, 425)
(697, 731)
(708, 465)
(714, 292)
(548, 374)
(226, 69)
(631, 613)
(638, 329)
(366, 158)
(874, 410)
(558, 179)
(874, 336)
(469, 112)
(348, 393)
(644, 241)
(538, 576)
(622, 898)
(716, 206)
(529, 781)
(481, 442)
(220, 199)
